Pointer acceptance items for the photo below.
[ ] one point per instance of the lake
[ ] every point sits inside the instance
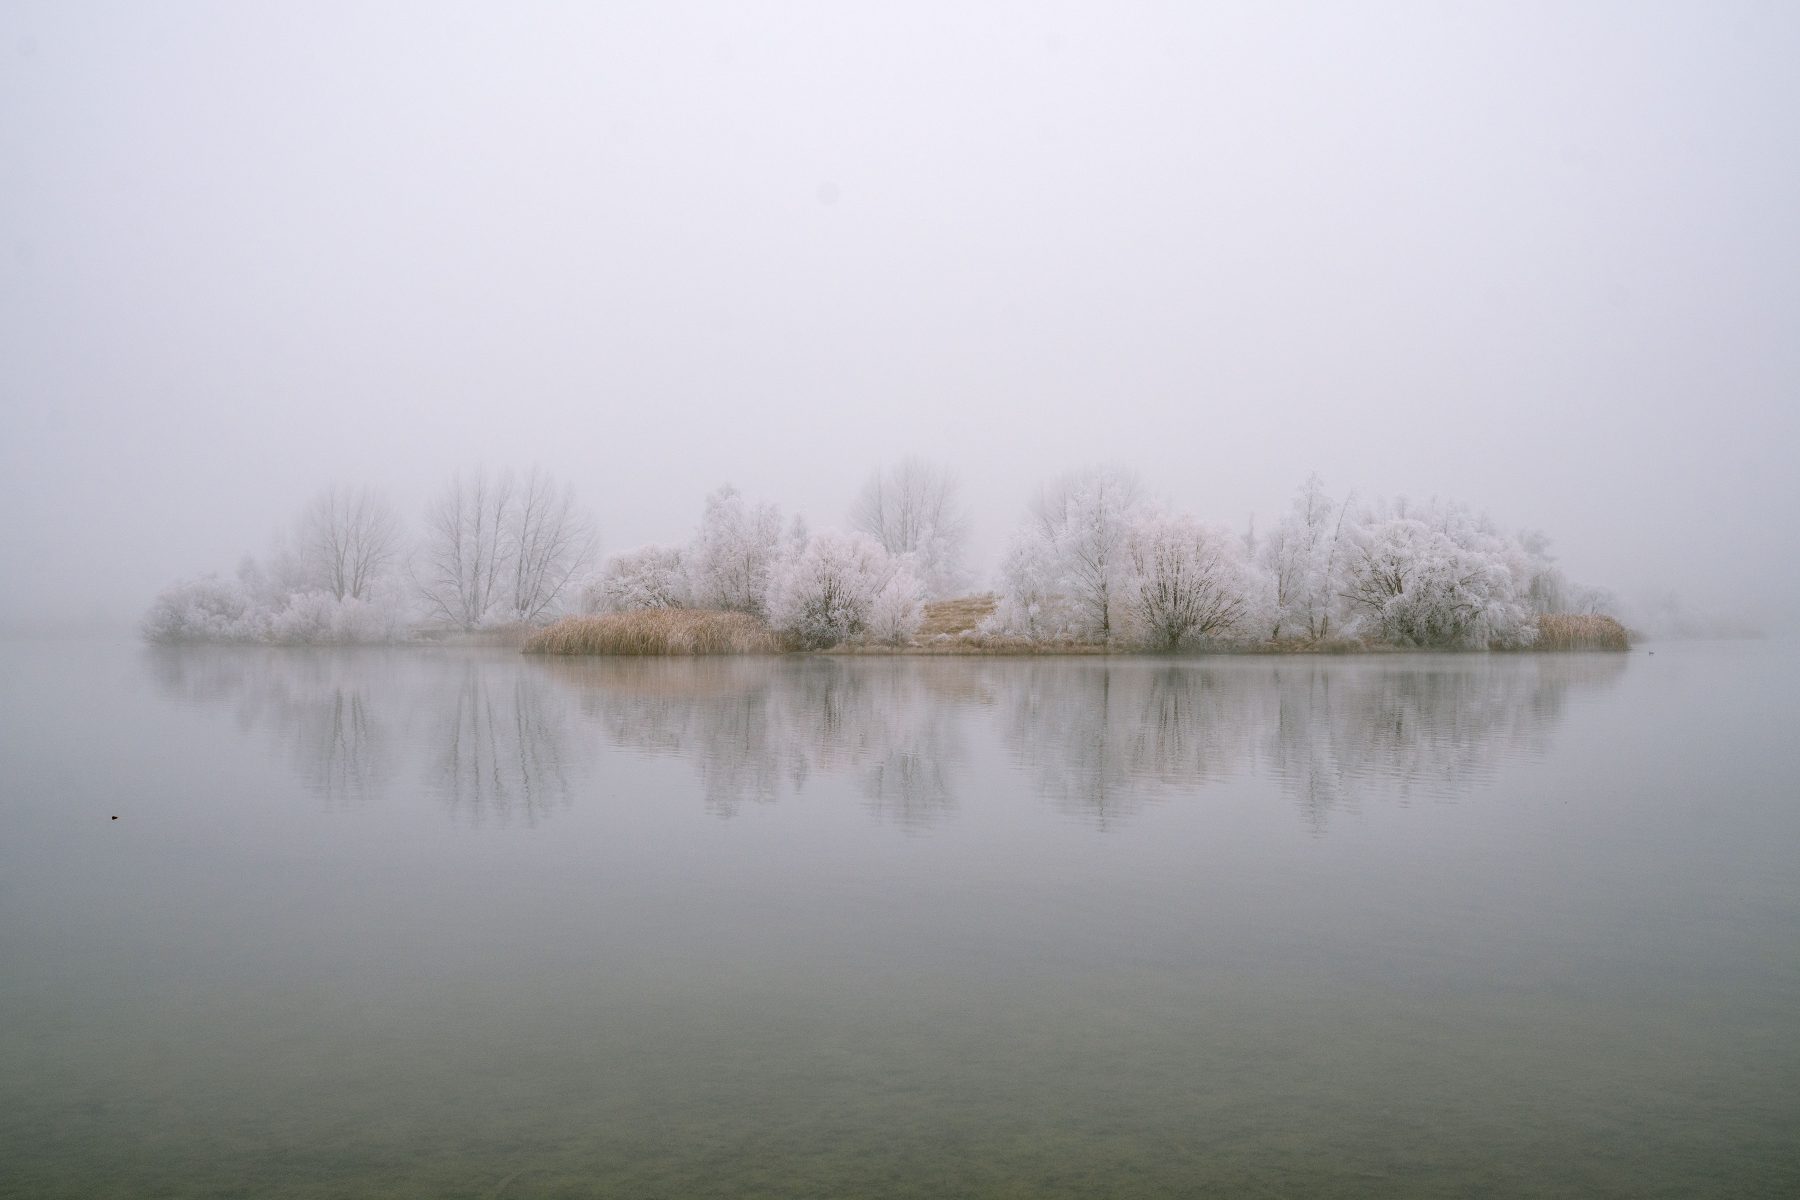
(461, 923)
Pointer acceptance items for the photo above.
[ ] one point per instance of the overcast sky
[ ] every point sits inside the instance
(1544, 258)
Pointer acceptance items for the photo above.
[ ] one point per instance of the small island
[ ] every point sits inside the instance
(1095, 566)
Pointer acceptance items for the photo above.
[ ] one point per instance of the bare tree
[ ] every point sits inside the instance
(913, 508)
(462, 568)
(496, 547)
(349, 536)
(547, 539)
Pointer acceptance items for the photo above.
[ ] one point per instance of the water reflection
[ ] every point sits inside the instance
(1340, 732)
(328, 713)
(483, 732)
(756, 730)
(503, 747)
(1100, 740)
(501, 738)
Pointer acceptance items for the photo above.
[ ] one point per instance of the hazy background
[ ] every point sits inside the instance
(1545, 258)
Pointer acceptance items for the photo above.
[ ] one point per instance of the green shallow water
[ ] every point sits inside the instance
(385, 923)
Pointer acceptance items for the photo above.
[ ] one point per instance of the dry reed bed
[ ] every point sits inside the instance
(658, 631)
(975, 646)
(683, 632)
(1569, 632)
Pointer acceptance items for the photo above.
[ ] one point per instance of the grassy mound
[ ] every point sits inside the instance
(959, 616)
(657, 631)
(1568, 632)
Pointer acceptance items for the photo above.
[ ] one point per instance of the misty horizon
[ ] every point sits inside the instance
(1538, 260)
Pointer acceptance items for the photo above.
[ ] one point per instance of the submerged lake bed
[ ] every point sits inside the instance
(467, 923)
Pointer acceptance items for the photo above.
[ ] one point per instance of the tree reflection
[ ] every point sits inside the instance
(501, 747)
(496, 738)
(756, 730)
(1101, 739)
(322, 708)
(499, 738)
(1433, 729)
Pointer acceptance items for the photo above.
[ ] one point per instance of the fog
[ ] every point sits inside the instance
(1541, 258)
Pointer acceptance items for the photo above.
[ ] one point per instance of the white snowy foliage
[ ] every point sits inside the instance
(214, 610)
(843, 587)
(1066, 568)
(733, 554)
(1183, 581)
(1300, 560)
(1437, 576)
(1031, 603)
(199, 610)
(898, 610)
(648, 577)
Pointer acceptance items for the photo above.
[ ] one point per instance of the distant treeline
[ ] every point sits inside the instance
(1094, 561)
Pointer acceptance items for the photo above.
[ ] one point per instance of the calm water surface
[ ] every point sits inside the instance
(465, 924)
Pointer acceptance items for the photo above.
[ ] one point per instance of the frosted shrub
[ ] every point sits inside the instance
(1031, 604)
(1184, 580)
(201, 610)
(306, 619)
(211, 610)
(648, 577)
(898, 610)
(826, 593)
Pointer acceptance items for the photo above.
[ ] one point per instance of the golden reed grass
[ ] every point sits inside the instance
(657, 631)
(1572, 632)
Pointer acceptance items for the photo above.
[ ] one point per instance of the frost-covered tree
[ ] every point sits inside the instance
(913, 509)
(1031, 603)
(1437, 576)
(497, 548)
(1301, 560)
(349, 537)
(648, 577)
(1084, 518)
(731, 557)
(1185, 580)
(842, 587)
